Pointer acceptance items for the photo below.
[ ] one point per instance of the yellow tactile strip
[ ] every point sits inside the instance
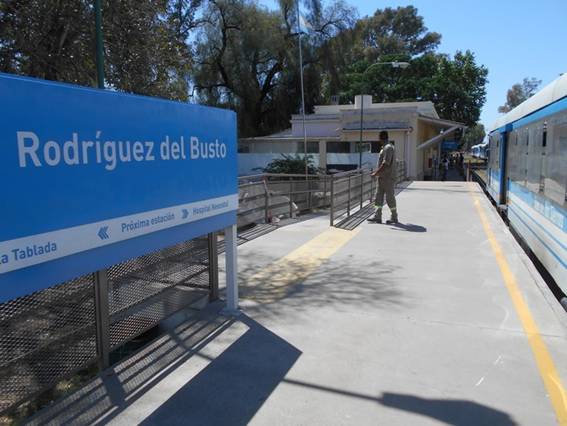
(276, 280)
(542, 356)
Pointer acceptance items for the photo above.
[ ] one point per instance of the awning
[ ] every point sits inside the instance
(447, 127)
(439, 138)
(439, 121)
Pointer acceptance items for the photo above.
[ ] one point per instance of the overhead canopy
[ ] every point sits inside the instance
(447, 128)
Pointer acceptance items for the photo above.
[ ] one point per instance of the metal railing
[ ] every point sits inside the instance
(48, 336)
(268, 197)
(351, 191)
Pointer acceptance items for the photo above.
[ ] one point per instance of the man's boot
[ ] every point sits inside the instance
(394, 216)
(377, 218)
(393, 219)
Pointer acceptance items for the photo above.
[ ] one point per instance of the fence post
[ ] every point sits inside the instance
(266, 202)
(213, 267)
(324, 190)
(102, 319)
(290, 198)
(331, 200)
(309, 194)
(361, 188)
(469, 170)
(348, 200)
(371, 187)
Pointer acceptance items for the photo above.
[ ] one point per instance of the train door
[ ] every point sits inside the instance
(503, 154)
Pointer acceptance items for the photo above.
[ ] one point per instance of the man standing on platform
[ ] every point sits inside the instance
(386, 173)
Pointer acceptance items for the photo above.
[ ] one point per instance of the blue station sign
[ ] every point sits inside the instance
(450, 146)
(91, 178)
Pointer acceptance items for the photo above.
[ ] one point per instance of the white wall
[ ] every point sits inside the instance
(368, 159)
(316, 128)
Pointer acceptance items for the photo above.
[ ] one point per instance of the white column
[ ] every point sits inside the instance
(323, 154)
(231, 269)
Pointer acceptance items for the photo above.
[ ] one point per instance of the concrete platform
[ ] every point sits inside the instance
(384, 325)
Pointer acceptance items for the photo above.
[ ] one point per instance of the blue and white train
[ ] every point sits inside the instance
(527, 174)
(480, 151)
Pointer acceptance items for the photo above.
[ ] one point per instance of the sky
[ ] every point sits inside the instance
(512, 38)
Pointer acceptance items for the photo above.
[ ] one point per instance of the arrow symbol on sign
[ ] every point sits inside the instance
(185, 213)
(103, 233)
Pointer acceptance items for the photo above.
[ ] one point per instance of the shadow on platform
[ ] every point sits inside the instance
(233, 387)
(297, 285)
(455, 412)
(409, 227)
(229, 390)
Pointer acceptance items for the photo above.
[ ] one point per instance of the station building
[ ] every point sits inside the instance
(333, 135)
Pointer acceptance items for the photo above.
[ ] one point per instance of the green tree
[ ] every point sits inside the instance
(458, 88)
(456, 85)
(144, 43)
(398, 33)
(520, 92)
(473, 136)
(53, 40)
(247, 60)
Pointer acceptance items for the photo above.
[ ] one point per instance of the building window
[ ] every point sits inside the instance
(375, 147)
(338, 147)
(312, 147)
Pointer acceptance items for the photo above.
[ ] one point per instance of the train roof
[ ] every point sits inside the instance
(553, 92)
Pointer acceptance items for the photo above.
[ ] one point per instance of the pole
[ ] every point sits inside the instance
(99, 46)
(302, 90)
(231, 270)
(360, 141)
(213, 266)
(102, 315)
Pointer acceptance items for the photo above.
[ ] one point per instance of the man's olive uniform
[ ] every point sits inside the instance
(386, 183)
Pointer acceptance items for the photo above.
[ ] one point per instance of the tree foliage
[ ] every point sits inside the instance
(520, 92)
(144, 43)
(473, 136)
(247, 59)
(291, 164)
(240, 55)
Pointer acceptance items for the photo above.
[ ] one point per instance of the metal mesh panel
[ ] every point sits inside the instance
(145, 290)
(251, 203)
(44, 337)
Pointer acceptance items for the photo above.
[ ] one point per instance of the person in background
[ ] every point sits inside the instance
(444, 167)
(386, 173)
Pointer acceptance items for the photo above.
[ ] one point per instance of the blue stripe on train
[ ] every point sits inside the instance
(513, 206)
(543, 205)
(528, 227)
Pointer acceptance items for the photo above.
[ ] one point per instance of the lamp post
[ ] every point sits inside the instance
(396, 64)
(299, 32)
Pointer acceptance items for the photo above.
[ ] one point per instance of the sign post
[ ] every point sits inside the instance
(91, 178)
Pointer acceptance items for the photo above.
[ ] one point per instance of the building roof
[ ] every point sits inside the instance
(377, 125)
(424, 107)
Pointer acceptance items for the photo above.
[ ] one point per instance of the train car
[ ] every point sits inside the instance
(527, 174)
(480, 151)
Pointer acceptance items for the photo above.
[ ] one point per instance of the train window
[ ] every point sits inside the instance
(544, 138)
